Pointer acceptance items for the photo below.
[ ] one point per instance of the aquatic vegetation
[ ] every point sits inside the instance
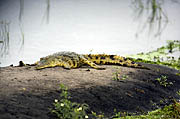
(161, 56)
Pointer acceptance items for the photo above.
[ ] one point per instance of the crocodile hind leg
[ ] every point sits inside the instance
(92, 64)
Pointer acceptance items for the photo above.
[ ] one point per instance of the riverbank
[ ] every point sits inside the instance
(28, 93)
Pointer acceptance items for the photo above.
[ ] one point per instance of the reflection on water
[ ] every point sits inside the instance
(89, 26)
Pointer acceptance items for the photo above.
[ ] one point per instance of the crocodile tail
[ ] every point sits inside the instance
(106, 59)
(112, 59)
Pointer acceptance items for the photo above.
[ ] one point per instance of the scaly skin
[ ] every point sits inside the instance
(71, 60)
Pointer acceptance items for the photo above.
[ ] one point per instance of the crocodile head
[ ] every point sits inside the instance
(46, 62)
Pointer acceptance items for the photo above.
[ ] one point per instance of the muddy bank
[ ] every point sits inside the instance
(26, 93)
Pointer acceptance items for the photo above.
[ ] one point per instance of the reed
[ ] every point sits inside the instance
(4, 37)
(156, 20)
(21, 11)
(22, 37)
(47, 12)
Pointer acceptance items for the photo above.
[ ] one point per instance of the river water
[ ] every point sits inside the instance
(82, 26)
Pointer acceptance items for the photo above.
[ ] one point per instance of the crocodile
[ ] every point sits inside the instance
(70, 60)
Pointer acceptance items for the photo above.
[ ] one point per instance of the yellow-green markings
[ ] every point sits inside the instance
(71, 60)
